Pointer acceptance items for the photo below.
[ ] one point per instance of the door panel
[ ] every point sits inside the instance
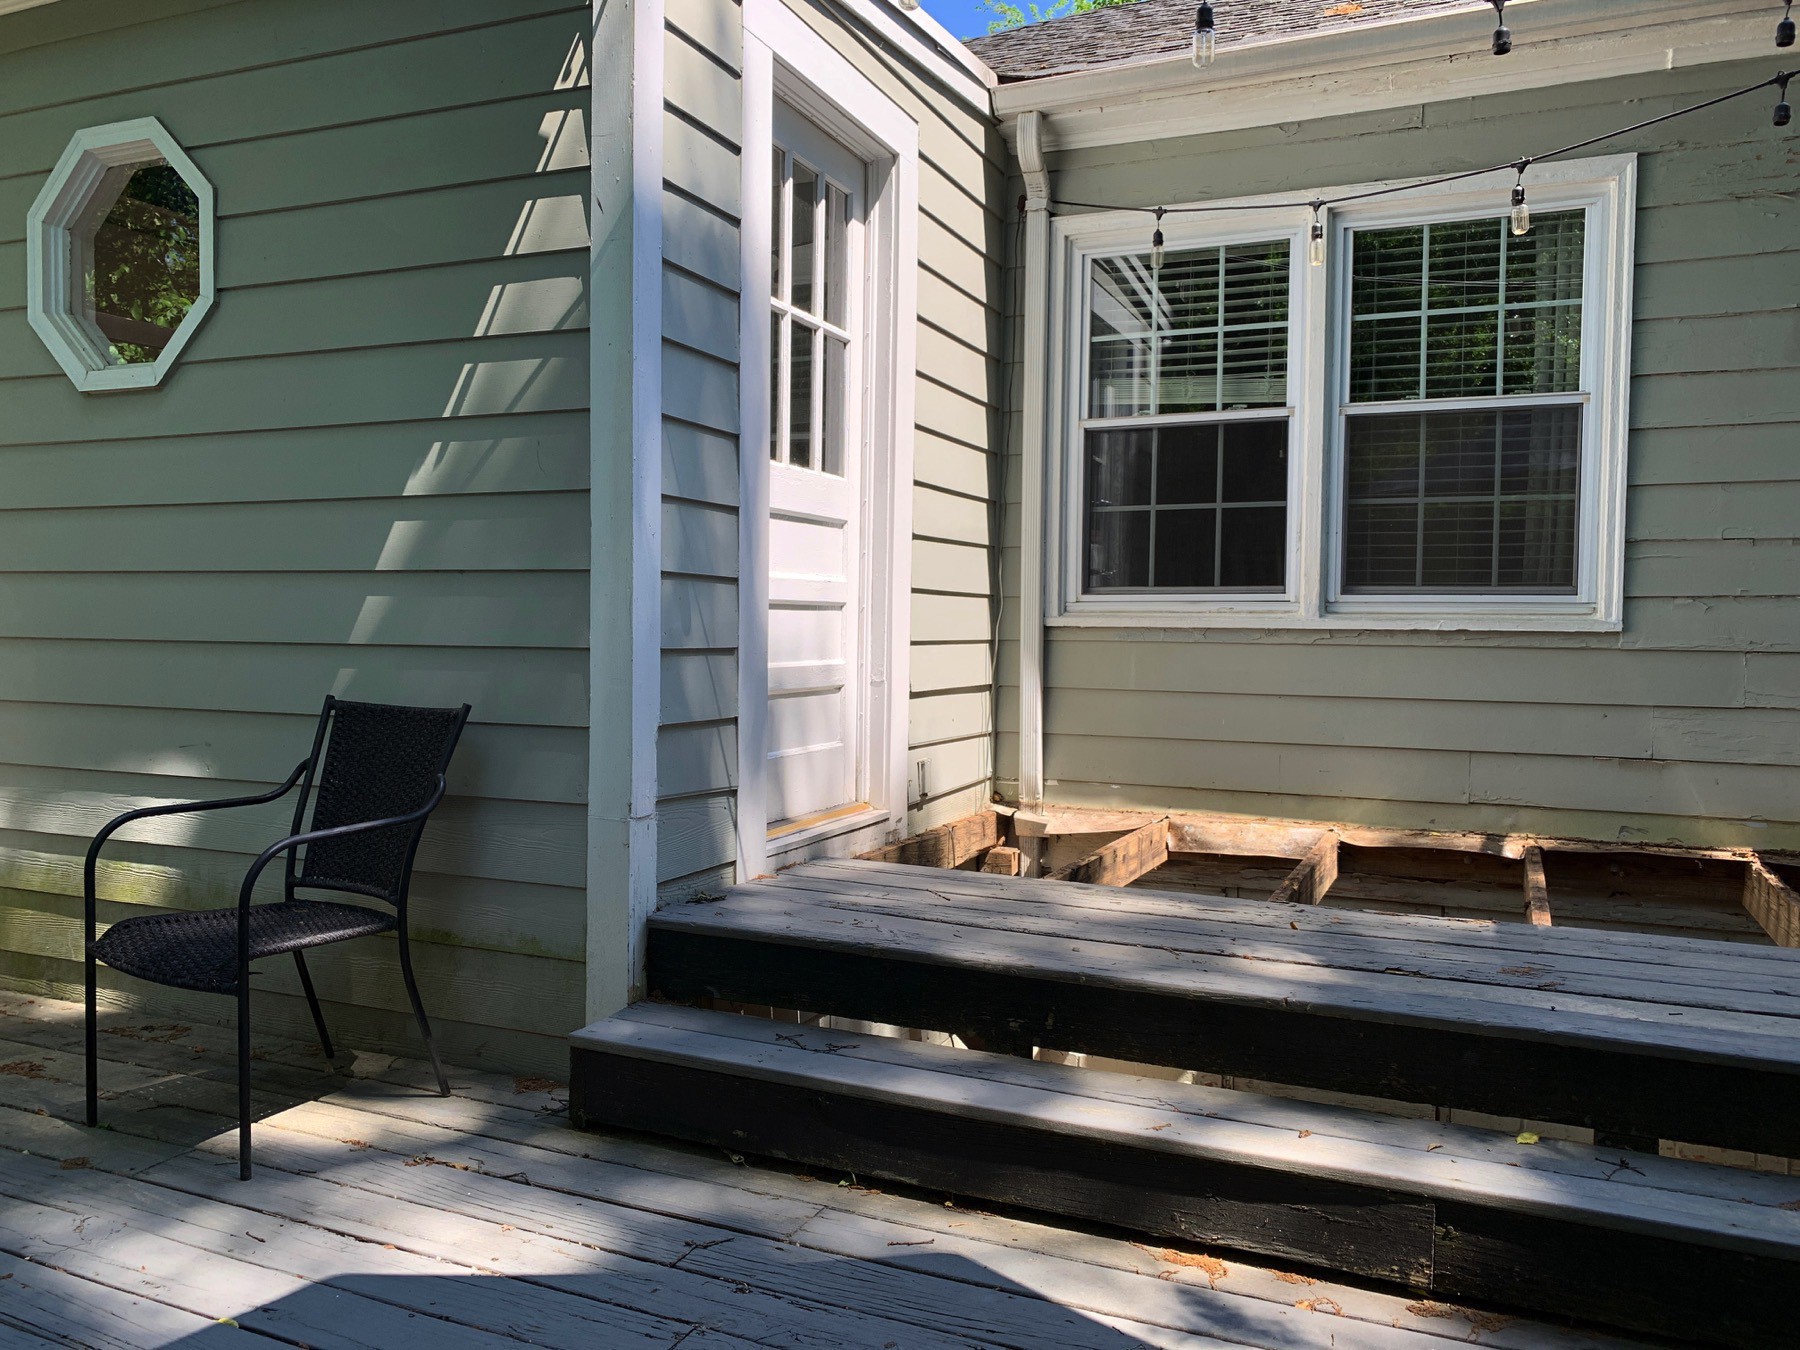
(816, 628)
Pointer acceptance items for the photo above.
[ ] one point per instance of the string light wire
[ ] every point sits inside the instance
(1777, 81)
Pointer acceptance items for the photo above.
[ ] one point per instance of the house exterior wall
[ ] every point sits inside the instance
(367, 476)
(1681, 727)
(960, 241)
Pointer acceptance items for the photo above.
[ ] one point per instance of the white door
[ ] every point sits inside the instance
(816, 637)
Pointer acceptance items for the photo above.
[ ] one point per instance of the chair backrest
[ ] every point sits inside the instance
(371, 761)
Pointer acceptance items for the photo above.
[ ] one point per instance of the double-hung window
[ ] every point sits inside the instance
(1426, 431)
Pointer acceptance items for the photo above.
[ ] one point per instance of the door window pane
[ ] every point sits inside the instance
(837, 256)
(806, 212)
(800, 395)
(777, 223)
(833, 430)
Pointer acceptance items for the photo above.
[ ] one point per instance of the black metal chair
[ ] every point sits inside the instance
(379, 773)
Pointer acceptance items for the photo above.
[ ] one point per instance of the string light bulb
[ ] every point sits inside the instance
(1502, 34)
(1156, 243)
(1784, 31)
(1783, 113)
(1521, 213)
(1316, 248)
(1205, 37)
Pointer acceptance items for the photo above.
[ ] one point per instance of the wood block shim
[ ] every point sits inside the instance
(1002, 861)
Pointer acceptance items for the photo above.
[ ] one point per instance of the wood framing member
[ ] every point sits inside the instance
(1313, 875)
(1772, 903)
(1003, 861)
(1122, 861)
(1537, 893)
(949, 845)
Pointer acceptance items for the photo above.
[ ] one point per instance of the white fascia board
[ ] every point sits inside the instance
(1386, 65)
(13, 6)
(927, 44)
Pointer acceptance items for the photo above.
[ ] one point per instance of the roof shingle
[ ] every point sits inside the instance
(1152, 28)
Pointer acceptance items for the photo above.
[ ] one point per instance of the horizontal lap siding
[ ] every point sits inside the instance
(960, 235)
(367, 476)
(1679, 728)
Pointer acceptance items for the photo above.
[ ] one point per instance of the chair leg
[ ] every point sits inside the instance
(93, 1047)
(243, 1033)
(412, 992)
(312, 1001)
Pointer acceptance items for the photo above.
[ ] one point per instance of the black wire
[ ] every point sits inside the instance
(1319, 203)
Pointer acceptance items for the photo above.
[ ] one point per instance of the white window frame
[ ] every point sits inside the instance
(1606, 187)
(86, 166)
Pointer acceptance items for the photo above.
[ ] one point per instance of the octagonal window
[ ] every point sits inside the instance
(120, 244)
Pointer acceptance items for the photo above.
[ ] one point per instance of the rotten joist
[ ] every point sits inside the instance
(1313, 875)
(949, 845)
(1122, 861)
(1537, 891)
(1772, 903)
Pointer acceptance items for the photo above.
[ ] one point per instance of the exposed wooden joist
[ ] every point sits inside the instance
(1772, 903)
(1537, 892)
(1313, 875)
(1122, 861)
(949, 845)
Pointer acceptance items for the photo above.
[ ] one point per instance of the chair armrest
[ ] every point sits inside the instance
(174, 809)
(294, 841)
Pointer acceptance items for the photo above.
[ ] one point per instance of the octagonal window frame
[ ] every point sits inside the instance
(55, 295)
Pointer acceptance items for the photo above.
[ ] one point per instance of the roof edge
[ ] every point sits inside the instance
(1390, 64)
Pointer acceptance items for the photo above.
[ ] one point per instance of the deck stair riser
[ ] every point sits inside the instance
(1637, 1035)
(1457, 1213)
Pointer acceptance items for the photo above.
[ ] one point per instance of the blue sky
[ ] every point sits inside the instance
(964, 18)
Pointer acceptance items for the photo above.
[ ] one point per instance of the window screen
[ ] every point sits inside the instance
(1477, 488)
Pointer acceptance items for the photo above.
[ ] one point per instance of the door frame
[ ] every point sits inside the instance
(786, 59)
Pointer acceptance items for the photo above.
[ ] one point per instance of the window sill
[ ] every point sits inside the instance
(1354, 620)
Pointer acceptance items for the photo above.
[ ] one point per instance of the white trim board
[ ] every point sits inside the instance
(625, 503)
(1387, 65)
(784, 57)
(14, 6)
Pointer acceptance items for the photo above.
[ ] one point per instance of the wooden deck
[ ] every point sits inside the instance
(1637, 1035)
(384, 1216)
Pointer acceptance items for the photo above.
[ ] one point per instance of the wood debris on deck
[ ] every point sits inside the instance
(384, 1216)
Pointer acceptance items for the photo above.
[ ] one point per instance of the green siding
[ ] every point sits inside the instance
(1678, 728)
(367, 476)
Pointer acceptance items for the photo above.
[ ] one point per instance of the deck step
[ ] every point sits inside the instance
(1687, 1250)
(1634, 1035)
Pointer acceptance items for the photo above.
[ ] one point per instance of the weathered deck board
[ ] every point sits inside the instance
(515, 1241)
(1516, 1020)
(1569, 1240)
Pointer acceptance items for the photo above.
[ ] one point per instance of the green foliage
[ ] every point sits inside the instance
(146, 263)
(1007, 15)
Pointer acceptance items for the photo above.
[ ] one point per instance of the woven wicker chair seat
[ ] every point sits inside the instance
(198, 950)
